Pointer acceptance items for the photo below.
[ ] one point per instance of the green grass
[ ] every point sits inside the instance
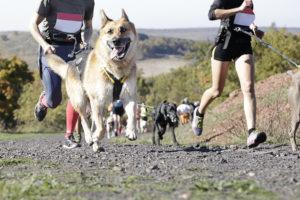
(35, 181)
(230, 190)
(15, 161)
(23, 136)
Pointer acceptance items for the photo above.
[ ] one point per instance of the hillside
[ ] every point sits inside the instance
(164, 48)
(160, 50)
(201, 34)
(226, 122)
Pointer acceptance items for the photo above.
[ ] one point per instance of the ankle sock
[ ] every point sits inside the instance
(251, 130)
(199, 114)
(71, 119)
(43, 101)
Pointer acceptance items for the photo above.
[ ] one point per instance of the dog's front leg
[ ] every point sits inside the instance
(97, 113)
(153, 134)
(174, 136)
(131, 130)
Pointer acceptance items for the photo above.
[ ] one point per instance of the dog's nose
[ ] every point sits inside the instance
(116, 41)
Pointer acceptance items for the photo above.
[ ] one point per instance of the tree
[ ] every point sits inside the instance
(14, 74)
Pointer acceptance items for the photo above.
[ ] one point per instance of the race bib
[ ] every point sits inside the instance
(68, 23)
(244, 18)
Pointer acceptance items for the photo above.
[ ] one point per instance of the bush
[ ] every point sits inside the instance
(14, 74)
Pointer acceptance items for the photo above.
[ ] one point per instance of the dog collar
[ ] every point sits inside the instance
(117, 83)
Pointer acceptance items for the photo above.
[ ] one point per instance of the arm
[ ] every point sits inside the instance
(36, 34)
(87, 33)
(256, 31)
(216, 12)
(88, 23)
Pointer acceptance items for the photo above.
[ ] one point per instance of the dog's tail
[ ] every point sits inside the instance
(58, 65)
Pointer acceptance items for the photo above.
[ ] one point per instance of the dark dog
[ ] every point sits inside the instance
(164, 115)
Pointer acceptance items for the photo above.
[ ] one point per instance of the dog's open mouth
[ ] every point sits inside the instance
(119, 48)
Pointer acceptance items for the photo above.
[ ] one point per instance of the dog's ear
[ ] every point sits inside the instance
(124, 15)
(104, 18)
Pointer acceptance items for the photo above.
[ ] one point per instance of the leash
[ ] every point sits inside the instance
(264, 43)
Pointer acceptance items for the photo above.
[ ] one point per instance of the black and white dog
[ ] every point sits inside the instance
(163, 115)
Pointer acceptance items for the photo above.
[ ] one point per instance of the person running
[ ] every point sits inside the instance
(233, 46)
(61, 33)
(118, 111)
(144, 118)
(110, 125)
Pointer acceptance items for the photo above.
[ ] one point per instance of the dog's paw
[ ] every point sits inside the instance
(176, 144)
(131, 135)
(88, 139)
(96, 147)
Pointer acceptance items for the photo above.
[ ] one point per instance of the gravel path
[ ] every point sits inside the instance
(273, 167)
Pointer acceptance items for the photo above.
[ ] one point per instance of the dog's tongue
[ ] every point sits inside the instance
(115, 52)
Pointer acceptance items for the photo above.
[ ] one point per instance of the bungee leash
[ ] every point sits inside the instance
(264, 43)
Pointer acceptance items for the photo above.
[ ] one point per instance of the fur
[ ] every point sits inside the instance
(94, 88)
(164, 115)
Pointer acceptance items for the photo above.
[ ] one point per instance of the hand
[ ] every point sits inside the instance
(84, 46)
(49, 49)
(246, 4)
(259, 33)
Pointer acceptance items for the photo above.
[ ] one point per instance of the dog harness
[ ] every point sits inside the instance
(118, 84)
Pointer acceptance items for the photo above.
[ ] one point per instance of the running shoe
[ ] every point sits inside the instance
(255, 138)
(70, 143)
(197, 123)
(40, 110)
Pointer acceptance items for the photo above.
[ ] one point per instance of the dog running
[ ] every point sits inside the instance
(108, 75)
(165, 114)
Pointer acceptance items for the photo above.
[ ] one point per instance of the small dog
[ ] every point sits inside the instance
(294, 101)
(108, 75)
(165, 114)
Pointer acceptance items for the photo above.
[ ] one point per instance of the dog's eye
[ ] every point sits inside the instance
(123, 29)
(110, 31)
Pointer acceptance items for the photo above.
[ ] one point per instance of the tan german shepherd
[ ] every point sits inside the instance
(113, 58)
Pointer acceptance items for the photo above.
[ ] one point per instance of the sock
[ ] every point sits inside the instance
(251, 130)
(43, 101)
(199, 114)
(71, 119)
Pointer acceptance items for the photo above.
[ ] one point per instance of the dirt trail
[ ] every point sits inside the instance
(134, 171)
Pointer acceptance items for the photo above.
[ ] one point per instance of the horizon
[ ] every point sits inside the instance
(181, 15)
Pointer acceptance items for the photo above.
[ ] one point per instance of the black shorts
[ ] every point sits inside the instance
(234, 50)
(118, 110)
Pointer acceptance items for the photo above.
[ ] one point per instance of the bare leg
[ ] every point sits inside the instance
(295, 125)
(245, 70)
(219, 74)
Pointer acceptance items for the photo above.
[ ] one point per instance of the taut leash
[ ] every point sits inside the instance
(264, 43)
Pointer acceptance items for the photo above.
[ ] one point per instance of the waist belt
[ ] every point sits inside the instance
(64, 37)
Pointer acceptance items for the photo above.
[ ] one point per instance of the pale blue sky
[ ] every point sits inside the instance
(16, 14)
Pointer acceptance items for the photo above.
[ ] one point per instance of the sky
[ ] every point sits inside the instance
(159, 14)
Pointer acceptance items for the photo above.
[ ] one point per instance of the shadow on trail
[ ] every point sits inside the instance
(194, 148)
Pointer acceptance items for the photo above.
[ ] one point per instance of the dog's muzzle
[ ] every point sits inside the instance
(119, 48)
